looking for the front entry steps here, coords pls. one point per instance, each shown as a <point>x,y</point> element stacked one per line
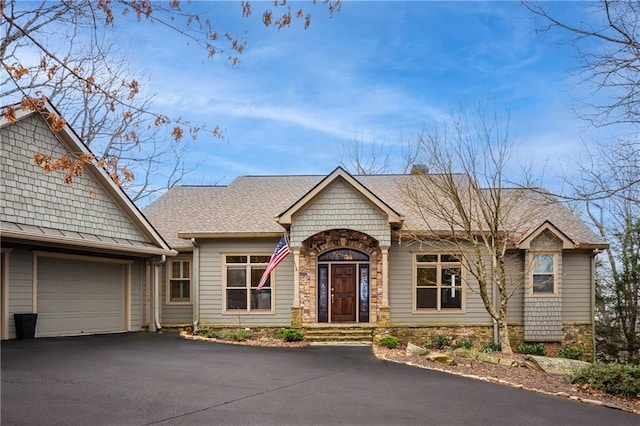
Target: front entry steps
<point>339,336</point>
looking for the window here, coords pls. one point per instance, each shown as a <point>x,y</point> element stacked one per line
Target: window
<point>544,274</point>
<point>438,282</point>
<point>179,281</point>
<point>243,274</point>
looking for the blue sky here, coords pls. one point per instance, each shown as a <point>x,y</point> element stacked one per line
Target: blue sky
<point>376,71</point>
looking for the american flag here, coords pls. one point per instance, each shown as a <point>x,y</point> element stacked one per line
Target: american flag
<point>279,254</point>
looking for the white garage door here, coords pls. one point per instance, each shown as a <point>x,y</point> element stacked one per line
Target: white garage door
<point>79,297</point>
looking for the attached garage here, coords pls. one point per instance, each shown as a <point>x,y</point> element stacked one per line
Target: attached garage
<point>80,295</point>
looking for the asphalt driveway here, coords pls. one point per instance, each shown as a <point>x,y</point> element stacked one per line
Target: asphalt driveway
<point>144,378</point>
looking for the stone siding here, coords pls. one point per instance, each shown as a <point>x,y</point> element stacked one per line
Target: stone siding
<point>340,207</point>
<point>31,197</point>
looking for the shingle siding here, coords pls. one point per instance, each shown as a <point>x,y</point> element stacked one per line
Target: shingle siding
<point>31,197</point>
<point>340,207</point>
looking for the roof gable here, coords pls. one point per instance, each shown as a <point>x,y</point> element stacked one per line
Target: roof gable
<point>40,207</point>
<point>339,174</point>
<point>566,242</point>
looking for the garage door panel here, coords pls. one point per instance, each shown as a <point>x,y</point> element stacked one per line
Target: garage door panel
<point>79,297</point>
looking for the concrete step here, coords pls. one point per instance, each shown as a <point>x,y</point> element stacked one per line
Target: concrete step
<point>339,336</point>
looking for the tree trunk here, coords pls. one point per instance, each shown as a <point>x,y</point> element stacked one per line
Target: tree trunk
<point>503,336</point>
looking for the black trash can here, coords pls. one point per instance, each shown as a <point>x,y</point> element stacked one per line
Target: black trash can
<point>25,325</point>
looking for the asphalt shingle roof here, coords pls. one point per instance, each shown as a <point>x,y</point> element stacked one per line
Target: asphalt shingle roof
<point>250,204</point>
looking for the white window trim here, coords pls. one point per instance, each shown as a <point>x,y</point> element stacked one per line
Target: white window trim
<point>414,286</point>
<point>169,278</point>
<point>247,311</point>
<point>556,257</point>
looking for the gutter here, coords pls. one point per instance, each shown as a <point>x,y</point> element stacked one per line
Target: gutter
<point>196,284</point>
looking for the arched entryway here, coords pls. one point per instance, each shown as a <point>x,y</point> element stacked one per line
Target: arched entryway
<point>343,286</point>
<point>340,278</point>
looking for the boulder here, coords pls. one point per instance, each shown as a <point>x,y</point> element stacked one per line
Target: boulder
<point>488,358</point>
<point>466,353</point>
<point>554,365</point>
<point>441,358</point>
<point>415,350</point>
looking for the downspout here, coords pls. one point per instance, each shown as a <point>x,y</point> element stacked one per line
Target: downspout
<point>155,293</point>
<point>196,284</point>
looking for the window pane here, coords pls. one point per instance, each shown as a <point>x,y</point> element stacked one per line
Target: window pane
<point>236,276</point>
<point>256,274</point>
<point>175,269</point>
<point>427,258</point>
<point>261,299</point>
<point>363,313</point>
<point>449,258</point>
<point>186,289</point>
<point>543,283</point>
<point>323,290</point>
<point>342,255</point>
<point>543,264</point>
<point>236,259</point>
<point>185,269</point>
<point>451,298</point>
<point>450,276</point>
<point>260,259</point>
<point>175,290</point>
<point>426,298</point>
<point>427,276</point>
<point>237,299</point>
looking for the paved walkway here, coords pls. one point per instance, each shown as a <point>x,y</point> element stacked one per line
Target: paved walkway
<point>144,378</point>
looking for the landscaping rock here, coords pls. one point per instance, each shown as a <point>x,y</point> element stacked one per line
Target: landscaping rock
<point>415,350</point>
<point>466,353</point>
<point>555,365</point>
<point>441,358</point>
<point>488,358</point>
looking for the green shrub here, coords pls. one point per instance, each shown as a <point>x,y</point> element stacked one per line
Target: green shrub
<point>571,352</point>
<point>440,341</point>
<point>535,349</point>
<point>616,379</point>
<point>292,335</point>
<point>240,335</point>
<point>465,344</point>
<point>492,347</point>
<point>390,342</point>
<point>210,333</point>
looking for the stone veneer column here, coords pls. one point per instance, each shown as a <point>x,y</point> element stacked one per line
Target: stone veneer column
<point>385,275</point>
<point>296,277</point>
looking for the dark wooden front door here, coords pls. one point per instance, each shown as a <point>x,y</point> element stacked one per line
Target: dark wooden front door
<point>343,293</point>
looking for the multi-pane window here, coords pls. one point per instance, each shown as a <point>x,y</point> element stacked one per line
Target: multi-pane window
<point>179,280</point>
<point>544,274</point>
<point>243,274</point>
<point>438,282</point>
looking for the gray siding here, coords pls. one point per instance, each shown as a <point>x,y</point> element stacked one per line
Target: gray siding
<point>401,293</point>
<point>576,287</point>
<point>174,313</point>
<point>20,285</point>
<point>516,279</point>
<point>31,197</point>
<point>211,297</point>
<point>340,207</point>
<point>138,285</point>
